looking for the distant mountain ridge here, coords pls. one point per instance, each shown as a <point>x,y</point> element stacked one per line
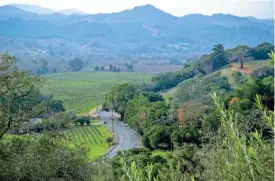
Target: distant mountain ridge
<point>42,10</point>
<point>141,32</point>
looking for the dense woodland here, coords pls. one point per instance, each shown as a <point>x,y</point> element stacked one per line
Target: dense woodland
<point>209,129</point>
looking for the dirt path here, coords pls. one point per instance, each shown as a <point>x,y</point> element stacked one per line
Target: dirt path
<point>245,70</point>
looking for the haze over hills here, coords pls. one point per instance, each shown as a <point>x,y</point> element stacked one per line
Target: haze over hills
<point>139,33</point>
<point>42,10</point>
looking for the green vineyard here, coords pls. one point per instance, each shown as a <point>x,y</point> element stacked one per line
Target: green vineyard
<point>83,91</point>
<point>91,137</point>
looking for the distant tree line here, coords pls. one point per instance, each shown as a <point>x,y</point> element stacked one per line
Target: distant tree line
<point>110,68</point>
<point>113,68</point>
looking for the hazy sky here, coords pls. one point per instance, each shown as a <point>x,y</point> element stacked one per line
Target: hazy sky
<point>256,8</point>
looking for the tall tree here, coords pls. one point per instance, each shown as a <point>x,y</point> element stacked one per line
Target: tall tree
<point>15,88</point>
<point>44,67</point>
<point>219,58</point>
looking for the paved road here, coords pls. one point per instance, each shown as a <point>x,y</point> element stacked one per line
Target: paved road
<point>127,138</point>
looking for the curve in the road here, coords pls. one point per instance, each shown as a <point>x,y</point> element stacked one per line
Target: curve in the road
<point>126,138</point>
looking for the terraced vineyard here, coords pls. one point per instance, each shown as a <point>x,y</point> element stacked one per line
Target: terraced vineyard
<point>91,137</point>
<point>83,91</point>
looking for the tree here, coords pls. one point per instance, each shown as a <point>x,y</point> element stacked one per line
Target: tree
<point>240,54</point>
<point>76,64</point>
<point>111,68</point>
<point>271,57</point>
<point>153,96</point>
<point>44,67</point>
<point>88,122</point>
<point>219,48</point>
<point>118,96</point>
<point>44,157</point>
<point>102,68</point>
<point>15,88</point>
<point>261,51</point>
<point>96,68</point>
<point>109,140</point>
<point>218,58</point>
<point>186,65</point>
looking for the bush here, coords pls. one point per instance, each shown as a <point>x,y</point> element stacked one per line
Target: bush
<point>109,140</point>
<point>42,157</point>
<point>263,72</point>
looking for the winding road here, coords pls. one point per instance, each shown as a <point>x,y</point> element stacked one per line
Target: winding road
<point>126,138</point>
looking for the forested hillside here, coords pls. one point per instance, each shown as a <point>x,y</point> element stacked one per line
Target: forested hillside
<point>144,32</point>
<point>208,130</point>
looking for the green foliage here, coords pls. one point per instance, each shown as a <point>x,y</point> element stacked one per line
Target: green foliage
<point>263,72</point>
<point>236,156</point>
<point>15,90</point>
<point>109,140</point>
<point>152,96</point>
<point>83,120</point>
<point>41,158</point>
<point>118,97</point>
<point>248,91</point>
<point>76,64</point>
<point>159,137</point>
<point>135,111</point>
<point>261,51</point>
<point>44,67</point>
<point>62,120</point>
<point>167,80</point>
<point>129,67</point>
<point>199,88</point>
<point>271,56</point>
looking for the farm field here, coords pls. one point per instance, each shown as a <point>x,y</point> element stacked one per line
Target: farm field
<point>91,137</point>
<point>83,91</point>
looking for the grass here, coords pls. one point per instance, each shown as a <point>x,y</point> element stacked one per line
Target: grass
<point>83,91</point>
<point>162,153</point>
<point>91,137</point>
<point>95,121</point>
<point>168,94</point>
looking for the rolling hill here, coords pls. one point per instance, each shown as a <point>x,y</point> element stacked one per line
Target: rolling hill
<point>143,32</point>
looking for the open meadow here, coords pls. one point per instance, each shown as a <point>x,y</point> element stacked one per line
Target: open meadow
<point>83,91</point>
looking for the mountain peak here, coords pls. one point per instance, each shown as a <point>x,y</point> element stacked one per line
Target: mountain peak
<point>33,8</point>
<point>146,6</point>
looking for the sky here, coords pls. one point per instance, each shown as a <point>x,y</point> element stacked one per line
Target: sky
<point>262,9</point>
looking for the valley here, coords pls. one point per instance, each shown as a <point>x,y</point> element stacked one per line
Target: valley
<point>137,94</point>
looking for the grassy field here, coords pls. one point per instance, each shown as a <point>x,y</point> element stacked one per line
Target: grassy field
<point>91,137</point>
<point>82,91</point>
